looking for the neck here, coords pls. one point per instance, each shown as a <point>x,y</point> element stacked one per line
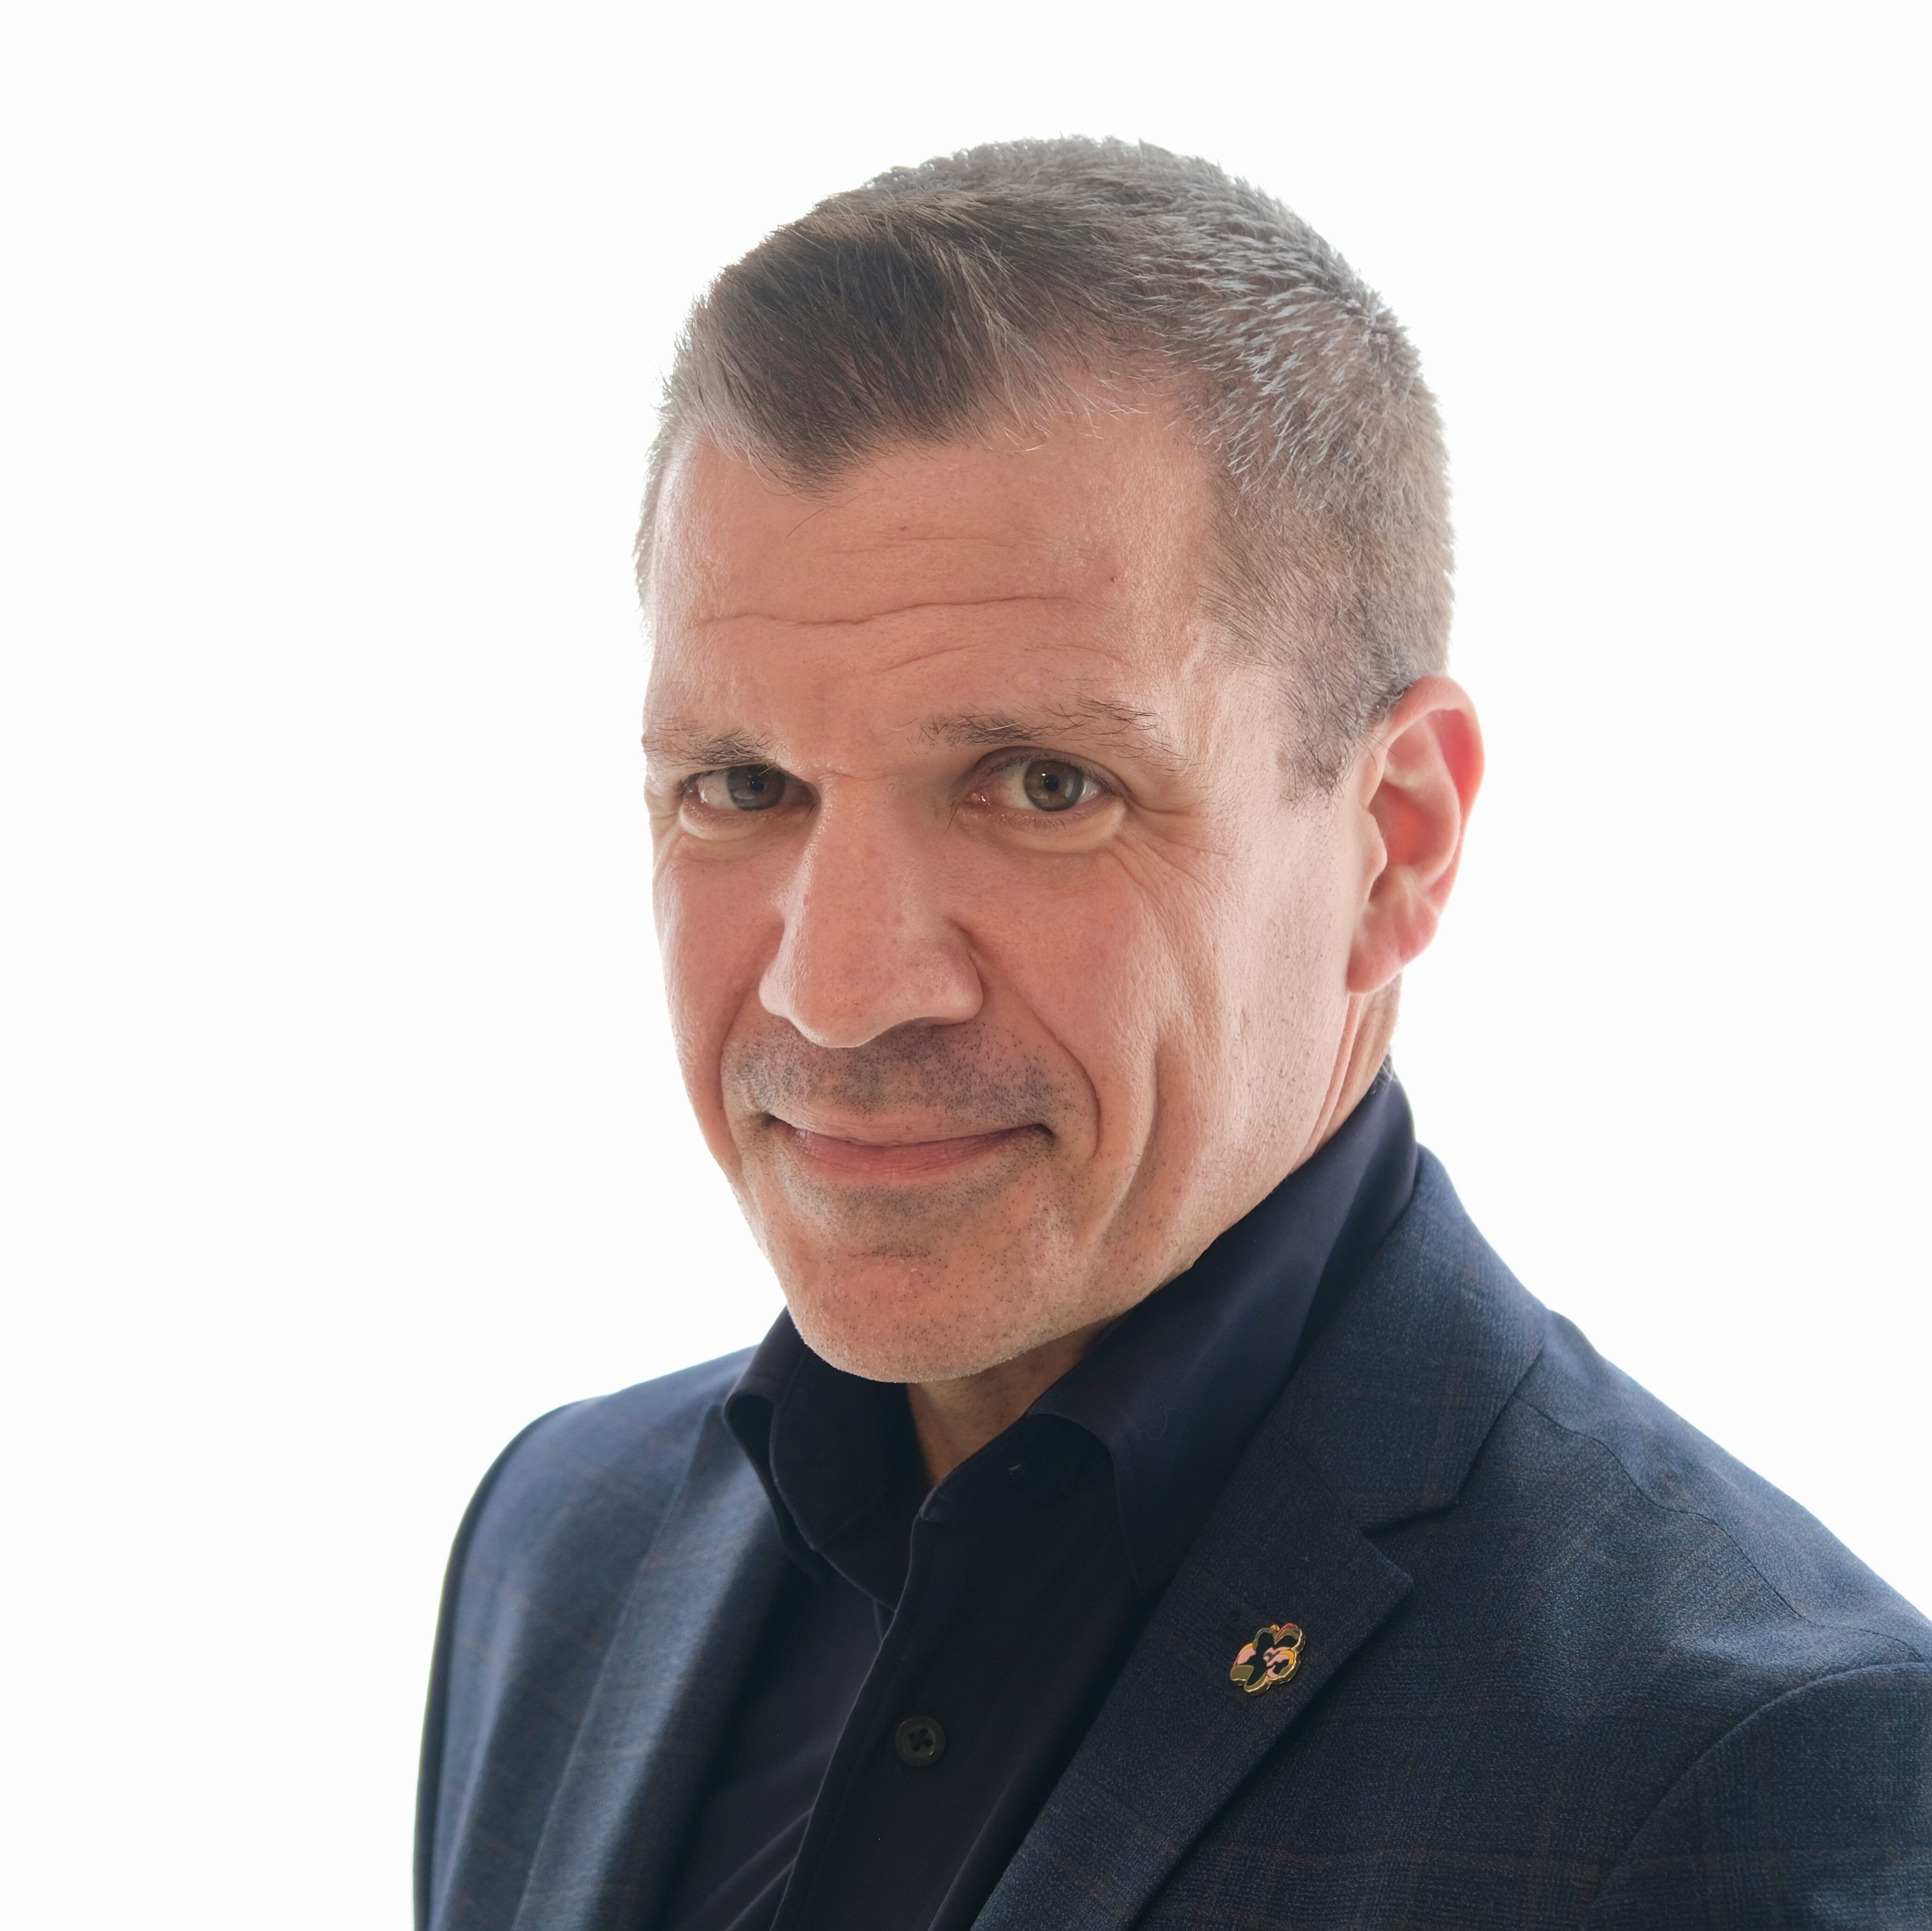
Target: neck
<point>956,1419</point>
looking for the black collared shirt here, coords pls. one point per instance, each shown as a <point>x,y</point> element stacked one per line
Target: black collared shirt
<point>934,1658</point>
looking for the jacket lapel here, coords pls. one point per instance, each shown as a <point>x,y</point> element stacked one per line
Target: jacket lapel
<point>1381,1423</point>
<point>1177,1737</point>
<point>657,1717</point>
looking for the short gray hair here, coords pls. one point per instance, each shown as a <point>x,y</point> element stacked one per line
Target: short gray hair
<point>937,300</point>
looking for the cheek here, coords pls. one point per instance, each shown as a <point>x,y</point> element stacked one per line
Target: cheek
<point>712,939</point>
<point>1088,953</point>
<point>1293,986</point>
<point>1195,992</point>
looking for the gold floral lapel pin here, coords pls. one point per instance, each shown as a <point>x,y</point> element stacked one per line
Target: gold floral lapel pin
<point>1272,1657</point>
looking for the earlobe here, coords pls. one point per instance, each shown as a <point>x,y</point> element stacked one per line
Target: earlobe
<point>1421,775</point>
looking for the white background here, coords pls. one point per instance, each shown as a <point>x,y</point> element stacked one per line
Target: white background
<point>342,1135</point>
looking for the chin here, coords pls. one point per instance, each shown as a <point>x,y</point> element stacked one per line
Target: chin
<point>925,1284</point>
<point>893,1319</point>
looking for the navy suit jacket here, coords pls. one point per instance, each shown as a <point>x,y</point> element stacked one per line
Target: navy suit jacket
<point>1566,1663</point>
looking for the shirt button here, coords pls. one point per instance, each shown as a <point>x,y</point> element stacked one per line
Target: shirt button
<point>920,1741</point>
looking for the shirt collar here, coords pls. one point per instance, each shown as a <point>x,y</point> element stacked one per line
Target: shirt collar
<point>1172,1391</point>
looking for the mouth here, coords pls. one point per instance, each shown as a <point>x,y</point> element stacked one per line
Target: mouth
<point>881,1157</point>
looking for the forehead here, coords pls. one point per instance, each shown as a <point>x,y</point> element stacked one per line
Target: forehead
<point>1068,567</point>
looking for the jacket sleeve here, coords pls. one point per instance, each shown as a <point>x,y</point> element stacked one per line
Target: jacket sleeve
<point>1816,1811</point>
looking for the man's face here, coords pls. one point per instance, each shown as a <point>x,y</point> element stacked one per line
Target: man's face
<point>1006,959</point>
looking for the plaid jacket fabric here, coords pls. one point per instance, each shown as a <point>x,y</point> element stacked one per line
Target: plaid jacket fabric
<point>1566,1663</point>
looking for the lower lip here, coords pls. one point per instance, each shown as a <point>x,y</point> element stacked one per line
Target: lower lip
<point>919,1160</point>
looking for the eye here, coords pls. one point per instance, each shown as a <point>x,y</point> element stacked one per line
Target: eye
<point>743,787</point>
<point>1030,786</point>
<point>1050,786</point>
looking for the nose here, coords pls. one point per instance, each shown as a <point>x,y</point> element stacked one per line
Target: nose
<point>868,945</point>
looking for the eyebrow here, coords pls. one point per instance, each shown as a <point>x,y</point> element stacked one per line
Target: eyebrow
<point>1108,725</point>
<point>679,744</point>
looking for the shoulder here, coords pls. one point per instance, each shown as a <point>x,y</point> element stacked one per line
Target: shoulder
<point>539,1574</point>
<point>1496,1405</point>
<point>603,1466</point>
<point>1816,1808</point>
<point>1777,1693</point>
<point>571,1505</point>
<point>1646,1671</point>
<point>1663,1494</point>
<point>1657,1566</point>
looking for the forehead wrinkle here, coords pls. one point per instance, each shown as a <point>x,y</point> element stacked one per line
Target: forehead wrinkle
<point>869,542</point>
<point>873,616</point>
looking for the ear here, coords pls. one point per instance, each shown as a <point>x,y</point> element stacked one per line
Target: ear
<point>1414,787</point>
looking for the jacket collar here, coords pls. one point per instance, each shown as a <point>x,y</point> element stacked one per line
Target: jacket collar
<point>1392,1407</point>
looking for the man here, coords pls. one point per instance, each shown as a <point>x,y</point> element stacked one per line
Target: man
<point>1158,1506</point>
